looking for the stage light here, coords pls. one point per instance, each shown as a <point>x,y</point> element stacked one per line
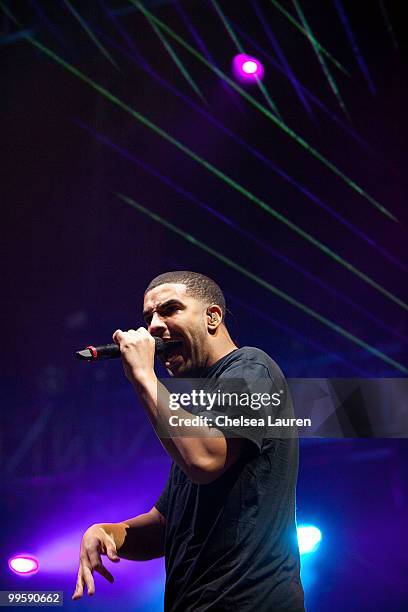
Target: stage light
<point>250,67</point>
<point>246,68</point>
<point>23,564</point>
<point>309,538</point>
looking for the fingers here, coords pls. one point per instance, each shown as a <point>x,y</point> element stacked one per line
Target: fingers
<point>93,550</point>
<point>84,578</point>
<point>116,336</point>
<point>110,548</point>
<point>119,334</point>
<point>101,569</point>
<point>79,587</point>
<point>112,555</point>
<point>89,581</point>
<point>90,561</point>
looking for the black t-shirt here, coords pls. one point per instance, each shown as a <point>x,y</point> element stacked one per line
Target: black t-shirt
<point>231,544</point>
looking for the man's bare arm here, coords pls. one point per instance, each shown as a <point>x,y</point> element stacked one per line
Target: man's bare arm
<point>204,457</point>
<point>140,538</point>
<point>144,538</point>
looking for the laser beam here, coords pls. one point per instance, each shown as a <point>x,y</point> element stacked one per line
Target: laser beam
<point>320,57</point>
<point>301,29</point>
<point>238,45</point>
<point>176,59</point>
<point>263,283</point>
<point>228,180</point>
<point>283,126</point>
<point>91,35</point>
<point>284,63</point>
<point>135,56</point>
<point>354,45</point>
<point>237,228</point>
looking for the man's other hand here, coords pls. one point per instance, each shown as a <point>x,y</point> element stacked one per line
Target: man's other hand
<point>95,543</point>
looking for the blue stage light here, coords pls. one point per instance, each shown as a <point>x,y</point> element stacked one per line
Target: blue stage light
<point>309,538</point>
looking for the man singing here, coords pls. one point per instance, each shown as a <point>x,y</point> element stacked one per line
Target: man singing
<point>225,521</point>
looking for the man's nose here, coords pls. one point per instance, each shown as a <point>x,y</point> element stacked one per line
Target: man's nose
<point>157,326</point>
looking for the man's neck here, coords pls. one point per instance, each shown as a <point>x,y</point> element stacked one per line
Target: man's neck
<point>220,348</point>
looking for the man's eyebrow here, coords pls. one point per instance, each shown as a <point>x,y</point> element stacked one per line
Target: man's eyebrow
<point>170,302</point>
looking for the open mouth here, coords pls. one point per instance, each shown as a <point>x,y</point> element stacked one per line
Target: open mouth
<point>172,349</point>
<point>173,356</point>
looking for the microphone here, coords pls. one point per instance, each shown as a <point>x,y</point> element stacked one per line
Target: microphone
<point>112,351</point>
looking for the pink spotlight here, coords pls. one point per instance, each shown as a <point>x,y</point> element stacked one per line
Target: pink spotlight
<point>247,69</point>
<point>23,564</point>
<point>250,67</point>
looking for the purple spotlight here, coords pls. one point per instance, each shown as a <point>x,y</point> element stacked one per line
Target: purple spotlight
<point>247,68</point>
<point>250,67</point>
<point>23,564</point>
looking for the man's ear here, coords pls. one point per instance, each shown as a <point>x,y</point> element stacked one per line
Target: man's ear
<point>214,317</point>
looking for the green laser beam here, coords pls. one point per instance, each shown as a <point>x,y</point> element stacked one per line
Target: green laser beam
<point>250,99</point>
<point>228,180</point>
<point>297,25</point>
<point>90,33</point>
<point>176,59</point>
<point>388,24</point>
<point>155,128</point>
<point>320,57</point>
<point>283,126</point>
<point>238,45</point>
<point>227,25</point>
<point>263,283</point>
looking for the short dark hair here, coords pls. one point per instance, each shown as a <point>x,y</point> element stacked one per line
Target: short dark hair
<point>197,285</point>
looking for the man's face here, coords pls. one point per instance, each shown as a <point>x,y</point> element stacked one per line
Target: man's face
<point>171,314</point>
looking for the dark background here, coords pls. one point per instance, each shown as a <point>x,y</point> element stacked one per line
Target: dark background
<point>75,446</point>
